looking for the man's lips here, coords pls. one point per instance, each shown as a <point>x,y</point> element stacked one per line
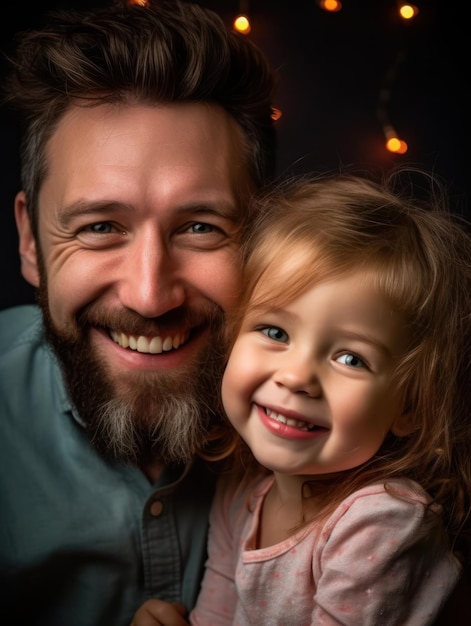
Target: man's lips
<point>150,345</point>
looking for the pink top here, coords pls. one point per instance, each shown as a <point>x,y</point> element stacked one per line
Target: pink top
<point>378,560</point>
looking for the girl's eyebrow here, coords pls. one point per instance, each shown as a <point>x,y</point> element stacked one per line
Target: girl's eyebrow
<point>261,309</point>
<point>369,339</point>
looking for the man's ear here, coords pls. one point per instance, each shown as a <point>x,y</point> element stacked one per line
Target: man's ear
<point>404,425</point>
<point>27,244</point>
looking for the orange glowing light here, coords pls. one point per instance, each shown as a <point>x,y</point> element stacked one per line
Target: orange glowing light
<point>330,5</point>
<point>408,11</point>
<point>396,145</point>
<point>242,24</point>
<point>276,114</point>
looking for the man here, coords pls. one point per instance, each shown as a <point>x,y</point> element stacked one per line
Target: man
<point>146,130</point>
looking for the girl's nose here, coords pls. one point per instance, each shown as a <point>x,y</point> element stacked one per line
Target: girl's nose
<point>299,377</point>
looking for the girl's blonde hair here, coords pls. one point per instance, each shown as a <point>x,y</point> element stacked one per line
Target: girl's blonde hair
<point>309,229</point>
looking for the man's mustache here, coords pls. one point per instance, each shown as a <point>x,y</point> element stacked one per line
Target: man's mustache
<point>132,323</point>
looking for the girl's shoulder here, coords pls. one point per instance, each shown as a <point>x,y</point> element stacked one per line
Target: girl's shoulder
<point>398,508</point>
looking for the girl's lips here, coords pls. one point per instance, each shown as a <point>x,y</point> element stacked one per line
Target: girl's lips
<point>288,428</point>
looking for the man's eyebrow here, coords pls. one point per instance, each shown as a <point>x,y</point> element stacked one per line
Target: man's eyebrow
<point>82,208</point>
<point>222,209</point>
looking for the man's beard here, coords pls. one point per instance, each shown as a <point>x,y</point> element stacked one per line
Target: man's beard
<point>162,415</point>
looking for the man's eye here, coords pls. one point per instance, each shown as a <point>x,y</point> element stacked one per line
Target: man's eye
<point>202,228</point>
<point>275,333</point>
<point>99,228</point>
<point>352,360</point>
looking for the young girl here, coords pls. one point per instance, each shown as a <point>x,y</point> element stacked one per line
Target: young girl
<point>350,381</point>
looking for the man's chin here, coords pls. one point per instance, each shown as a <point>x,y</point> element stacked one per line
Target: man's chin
<point>143,416</point>
<point>169,429</point>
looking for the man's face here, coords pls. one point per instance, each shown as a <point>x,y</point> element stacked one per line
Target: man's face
<point>138,221</point>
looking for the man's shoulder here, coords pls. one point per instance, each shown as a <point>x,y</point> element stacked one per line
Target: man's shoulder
<point>19,326</point>
<point>29,372</point>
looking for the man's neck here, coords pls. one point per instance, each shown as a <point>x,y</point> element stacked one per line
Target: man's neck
<point>152,470</point>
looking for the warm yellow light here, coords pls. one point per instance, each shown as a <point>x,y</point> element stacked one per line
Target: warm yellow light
<point>408,11</point>
<point>142,3</point>
<point>330,5</point>
<point>394,144</point>
<point>242,24</point>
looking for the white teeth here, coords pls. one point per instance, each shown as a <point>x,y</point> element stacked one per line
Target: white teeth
<point>142,344</point>
<point>156,345</point>
<point>167,344</point>
<point>288,421</point>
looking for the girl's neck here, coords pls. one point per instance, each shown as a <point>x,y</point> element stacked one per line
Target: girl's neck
<point>286,508</point>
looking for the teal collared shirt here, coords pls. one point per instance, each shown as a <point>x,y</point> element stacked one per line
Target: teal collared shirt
<point>81,543</point>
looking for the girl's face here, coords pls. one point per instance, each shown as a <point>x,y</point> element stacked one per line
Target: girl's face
<point>309,385</point>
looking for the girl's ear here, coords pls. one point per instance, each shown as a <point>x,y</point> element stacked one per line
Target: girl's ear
<point>27,243</point>
<point>403,425</point>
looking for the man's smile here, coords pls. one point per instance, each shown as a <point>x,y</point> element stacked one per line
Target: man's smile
<point>150,345</point>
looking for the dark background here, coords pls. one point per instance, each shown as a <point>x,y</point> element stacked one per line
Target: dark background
<point>333,68</point>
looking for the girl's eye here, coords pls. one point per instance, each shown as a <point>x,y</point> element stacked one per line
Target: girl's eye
<point>275,333</point>
<point>352,360</point>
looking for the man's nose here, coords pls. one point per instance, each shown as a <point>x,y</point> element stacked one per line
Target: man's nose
<point>150,283</point>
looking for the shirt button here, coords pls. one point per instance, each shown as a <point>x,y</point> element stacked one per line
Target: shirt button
<point>156,508</point>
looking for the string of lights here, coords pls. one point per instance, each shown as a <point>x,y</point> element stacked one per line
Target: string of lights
<point>393,142</point>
